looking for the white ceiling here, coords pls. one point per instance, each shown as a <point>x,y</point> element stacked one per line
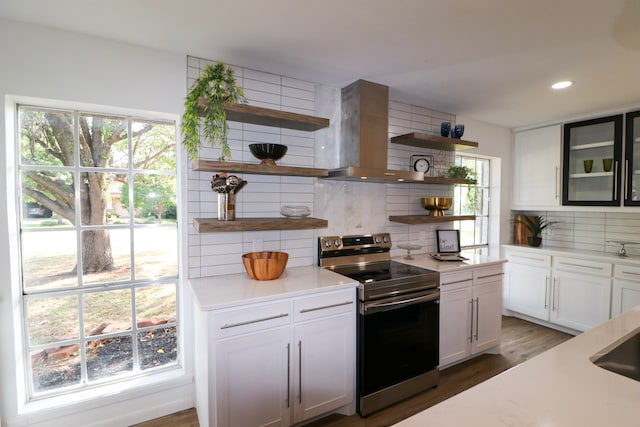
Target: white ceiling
<point>490,60</point>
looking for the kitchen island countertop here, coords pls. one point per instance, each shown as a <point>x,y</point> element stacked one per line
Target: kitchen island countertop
<point>217,292</point>
<point>560,387</point>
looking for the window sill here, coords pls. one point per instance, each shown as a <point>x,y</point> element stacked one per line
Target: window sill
<point>104,395</point>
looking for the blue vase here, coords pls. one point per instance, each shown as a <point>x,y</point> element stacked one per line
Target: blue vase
<point>445,128</point>
<point>457,131</point>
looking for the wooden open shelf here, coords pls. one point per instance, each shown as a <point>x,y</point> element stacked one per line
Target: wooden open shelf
<point>268,117</point>
<point>427,219</point>
<point>256,168</point>
<point>423,140</point>
<point>212,225</point>
<point>441,180</point>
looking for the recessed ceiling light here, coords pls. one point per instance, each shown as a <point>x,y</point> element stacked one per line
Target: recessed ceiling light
<point>561,85</point>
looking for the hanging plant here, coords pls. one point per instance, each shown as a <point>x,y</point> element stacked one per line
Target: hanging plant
<point>216,85</point>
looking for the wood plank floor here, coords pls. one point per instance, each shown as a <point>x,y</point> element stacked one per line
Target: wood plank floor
<point>521,341</point>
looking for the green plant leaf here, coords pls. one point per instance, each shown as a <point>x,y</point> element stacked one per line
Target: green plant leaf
<point>216,85</point>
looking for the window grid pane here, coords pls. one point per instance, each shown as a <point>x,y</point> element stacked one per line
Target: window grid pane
<point>77,246</point>
<point>473,199</point>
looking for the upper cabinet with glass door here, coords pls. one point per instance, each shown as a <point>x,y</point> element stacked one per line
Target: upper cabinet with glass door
<point>592,160</point>
<point>632,160</point>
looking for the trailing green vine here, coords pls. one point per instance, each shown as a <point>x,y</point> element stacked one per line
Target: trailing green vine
<point>216,85</point>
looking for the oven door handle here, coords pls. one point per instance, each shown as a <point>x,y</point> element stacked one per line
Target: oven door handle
<point>376,307</point>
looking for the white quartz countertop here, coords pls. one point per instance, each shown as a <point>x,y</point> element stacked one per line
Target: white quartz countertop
<point>473,260</point>
<point>231,290</point>
<point>579,253</point>
<point>560,387</point>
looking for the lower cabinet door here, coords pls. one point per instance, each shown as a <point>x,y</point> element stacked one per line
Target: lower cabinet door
<point>253,385</point>
<point>323,366</point>
<point>528,290</point>
<point>455,325</point>
<point>580,301</point>
<point>487,316</point>
<point>626,295</point>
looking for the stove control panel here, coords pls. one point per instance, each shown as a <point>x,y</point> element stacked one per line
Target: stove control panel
<point>354,242</point>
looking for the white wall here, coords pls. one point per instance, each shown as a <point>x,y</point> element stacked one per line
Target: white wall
<point>47,64</point>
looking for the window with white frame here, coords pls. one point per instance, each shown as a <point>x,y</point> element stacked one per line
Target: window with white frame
<point>473,199</point>
<point>98,243</point>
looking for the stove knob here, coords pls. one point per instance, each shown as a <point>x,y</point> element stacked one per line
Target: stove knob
<point>327,243</point>
<point>385,238</point>
<point>336,242</point>
<point>378,239</point>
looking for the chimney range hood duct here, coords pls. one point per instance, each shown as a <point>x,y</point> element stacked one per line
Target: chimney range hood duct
<point>364,136</point>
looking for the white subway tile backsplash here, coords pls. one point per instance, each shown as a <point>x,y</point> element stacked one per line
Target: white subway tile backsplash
<point>249,74</point>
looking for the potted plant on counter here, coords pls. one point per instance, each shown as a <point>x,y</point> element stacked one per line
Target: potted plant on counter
<point>535,225</point>
<point>216,86</point>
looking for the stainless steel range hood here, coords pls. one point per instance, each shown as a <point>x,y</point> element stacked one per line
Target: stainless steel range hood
<point>364,136</point>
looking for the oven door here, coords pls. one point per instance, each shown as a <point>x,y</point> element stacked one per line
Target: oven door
<point>397,340</point>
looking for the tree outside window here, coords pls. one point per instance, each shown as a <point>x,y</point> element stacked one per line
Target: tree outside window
<point>100,265</point>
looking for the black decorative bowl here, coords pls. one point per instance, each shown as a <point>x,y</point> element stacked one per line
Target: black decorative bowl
<point>268,153</point>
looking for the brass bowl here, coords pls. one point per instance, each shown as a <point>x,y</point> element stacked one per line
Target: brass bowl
<point>265,265</point>
<point>435,205</point>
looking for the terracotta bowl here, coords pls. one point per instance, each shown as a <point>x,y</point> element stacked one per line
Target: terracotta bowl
<point>265,265</point>
<point>268,153</point>
<point>435,205</point>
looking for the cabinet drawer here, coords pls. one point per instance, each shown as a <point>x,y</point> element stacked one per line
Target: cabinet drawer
<point>582,266</point>
<point>325,304</point>
<point>628,272</point>
<point>250,318</point>
<point>487,274</point>
<point>456,280</point>
<point>534,259</point>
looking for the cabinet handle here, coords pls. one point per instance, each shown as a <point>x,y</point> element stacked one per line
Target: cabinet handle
<point>300,372</point>
<point>530,257</point>
<point>630,273</point>
<point>306,310</point>
<point>615,182</point>
<point>580,265</point>
<point>553,295</point>
<point>456,281</point>
<point>477,315</point>
<point>249,322</point>
<point>556,188</point>
<point>490,275</point>
<point>626,179</point>
<point>288,374</point>
<point>546,291</point>
<point>471,323</point>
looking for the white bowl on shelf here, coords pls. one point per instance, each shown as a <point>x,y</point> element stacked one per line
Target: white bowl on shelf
<point>291,211</point>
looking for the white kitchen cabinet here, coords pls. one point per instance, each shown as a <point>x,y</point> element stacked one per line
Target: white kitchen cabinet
<point>536,168</point>
<point>626,289</point>
<point>581,293</point>
<point>283,362</point>
<point>324,342</point>
<point>470,312</point>
<point>455,316</point>
<point>486,308</point>
<point>252,373</point>
<point>528,284</point>
<point>565,291</point>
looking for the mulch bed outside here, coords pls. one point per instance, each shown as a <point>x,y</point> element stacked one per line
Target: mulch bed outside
<point>107,357</point>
